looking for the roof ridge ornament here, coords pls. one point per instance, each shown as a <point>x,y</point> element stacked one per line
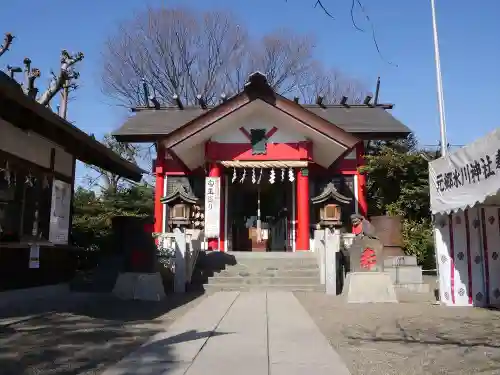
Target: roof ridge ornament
<point>257,78</point>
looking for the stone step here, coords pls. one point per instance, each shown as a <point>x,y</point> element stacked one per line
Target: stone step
<point>405,274</point>
<point>298,255</point>
<point>415,288</point>
<point>238,280</point>
<point>395,261</point>
<point>231,272</point>
<point>274,266</point>
<point>211,288</point>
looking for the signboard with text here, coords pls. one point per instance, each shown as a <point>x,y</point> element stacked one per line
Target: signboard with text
<point>60,212</point>
<point>212,207</point>
<point>467,176</point>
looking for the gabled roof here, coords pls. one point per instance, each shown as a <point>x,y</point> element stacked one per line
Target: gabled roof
<point>25,113</point>
<point>364,121</point>
<point>258,89</point>
<point>330,191</point>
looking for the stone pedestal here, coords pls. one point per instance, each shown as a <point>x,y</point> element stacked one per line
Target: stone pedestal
<point>405,273</point>
<point>139,286</point>
<point>369,287</point>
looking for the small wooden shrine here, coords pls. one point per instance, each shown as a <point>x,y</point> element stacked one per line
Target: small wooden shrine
<point>330,203</point>
<point>184,210</point>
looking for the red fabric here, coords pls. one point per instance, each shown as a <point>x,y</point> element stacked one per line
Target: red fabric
<point>357,229</point>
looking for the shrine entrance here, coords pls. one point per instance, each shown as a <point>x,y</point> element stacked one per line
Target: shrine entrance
<point>259,213</point>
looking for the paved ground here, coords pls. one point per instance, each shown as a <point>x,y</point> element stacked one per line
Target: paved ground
<point>408,338</point>
<point>82,334</point>
<point>85,335</point>
<point>255,333</point>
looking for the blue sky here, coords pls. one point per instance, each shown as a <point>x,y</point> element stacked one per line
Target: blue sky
<point>470,52</point>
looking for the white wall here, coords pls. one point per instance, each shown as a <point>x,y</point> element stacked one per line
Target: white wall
<point>235,135</point>
<point>33,148</point>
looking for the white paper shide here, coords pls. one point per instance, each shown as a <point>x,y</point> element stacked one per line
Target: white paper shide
<point>60,212</point>
<point>212,207</point>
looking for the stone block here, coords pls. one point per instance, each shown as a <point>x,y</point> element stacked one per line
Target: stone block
<point>414,288</point>
<point>406,260</point>
<point>405,274</point>
<point>366,255</point>
<point>369,287</point>
<point>139,286</point>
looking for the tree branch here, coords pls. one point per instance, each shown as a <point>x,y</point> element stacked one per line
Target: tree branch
<point>30,75</point>
<point>7,42</point>
<point>66,73</point>
<point>319,3</point>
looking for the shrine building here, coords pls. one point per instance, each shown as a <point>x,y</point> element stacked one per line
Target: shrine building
<point>259,172</point>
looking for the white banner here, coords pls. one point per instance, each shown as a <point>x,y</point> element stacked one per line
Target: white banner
<point>467,176</point>
<point>60,212</point>
<point>212,207</point>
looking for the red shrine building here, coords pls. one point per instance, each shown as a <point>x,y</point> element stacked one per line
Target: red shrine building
<point>259,172</point>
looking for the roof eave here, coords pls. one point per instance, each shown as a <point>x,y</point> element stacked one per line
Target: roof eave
<point>25,113</point>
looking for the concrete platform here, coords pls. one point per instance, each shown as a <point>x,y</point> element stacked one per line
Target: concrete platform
<point>257,333</point>
<point>369,287</point>
<point>139,286</point>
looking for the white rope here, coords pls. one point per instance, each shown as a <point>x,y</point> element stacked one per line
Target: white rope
<point>265,164</point>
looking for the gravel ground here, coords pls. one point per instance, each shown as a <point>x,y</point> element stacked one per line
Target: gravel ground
<point>408,338</point>
<point>81,335</point>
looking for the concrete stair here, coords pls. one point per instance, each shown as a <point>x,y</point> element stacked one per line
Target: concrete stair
<point>267,271</point>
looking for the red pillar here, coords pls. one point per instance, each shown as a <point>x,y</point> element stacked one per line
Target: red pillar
<point>360,161</point>
<point>213,243</point>
<point>159,193</point>
<point>302,210</point>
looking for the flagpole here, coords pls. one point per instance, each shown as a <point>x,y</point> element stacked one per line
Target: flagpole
<point>439,81</point>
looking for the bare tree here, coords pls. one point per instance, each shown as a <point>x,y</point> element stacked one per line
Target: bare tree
<point>65,77</point>
<point>7,42</point>
<point>107,181</point>
<point>187,53</point>
<point>355,6</point>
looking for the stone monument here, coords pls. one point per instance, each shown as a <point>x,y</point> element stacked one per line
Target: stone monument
<point>140,278</point>
<point>366,281</point>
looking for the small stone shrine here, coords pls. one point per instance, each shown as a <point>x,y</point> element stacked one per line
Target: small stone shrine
<point>330,203</point>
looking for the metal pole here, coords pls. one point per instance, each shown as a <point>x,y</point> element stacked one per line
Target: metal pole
<point>259,225</point>
<point>439,81</point>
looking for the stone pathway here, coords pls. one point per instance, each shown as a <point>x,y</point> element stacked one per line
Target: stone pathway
<point>237,333</point>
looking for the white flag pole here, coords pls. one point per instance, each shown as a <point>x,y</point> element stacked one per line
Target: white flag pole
<point>439,81</point>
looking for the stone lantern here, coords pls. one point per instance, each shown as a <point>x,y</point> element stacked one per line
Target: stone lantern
<point>330,203</point>
<point>180,201</point>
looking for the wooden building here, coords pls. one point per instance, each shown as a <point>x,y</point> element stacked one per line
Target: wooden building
<point>38,153</point>
<point>260,171</point>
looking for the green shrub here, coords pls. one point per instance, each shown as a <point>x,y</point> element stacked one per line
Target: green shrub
<point>418,240</point>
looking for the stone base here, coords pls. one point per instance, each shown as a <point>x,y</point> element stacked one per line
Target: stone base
<point>369,287</point>
<point>139,286</point>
